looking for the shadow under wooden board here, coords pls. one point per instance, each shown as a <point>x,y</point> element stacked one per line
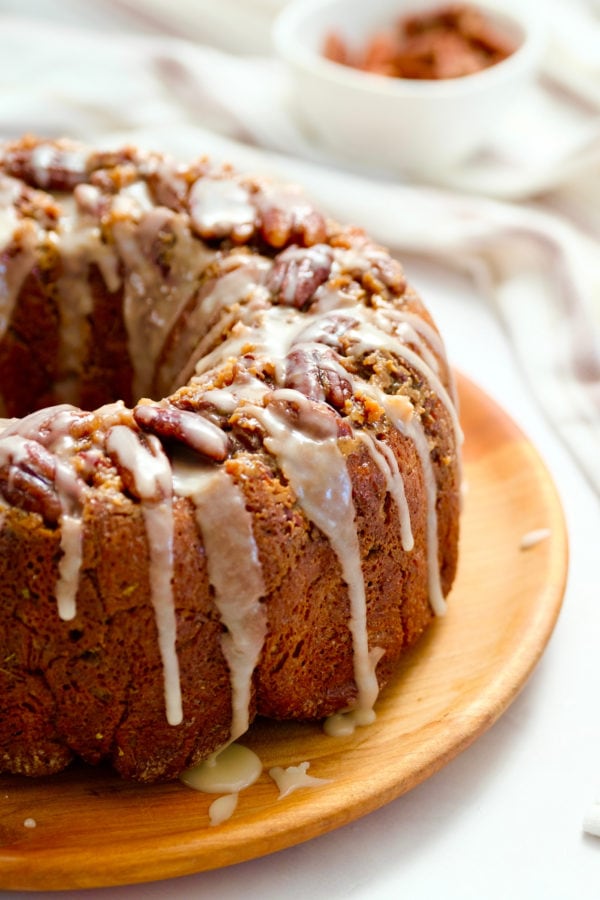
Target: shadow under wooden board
<point>92,829</point>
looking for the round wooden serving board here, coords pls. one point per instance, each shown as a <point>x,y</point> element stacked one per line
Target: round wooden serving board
<point>94,830</point>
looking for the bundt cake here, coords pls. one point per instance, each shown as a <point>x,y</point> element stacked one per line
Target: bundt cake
<point>229,461</point>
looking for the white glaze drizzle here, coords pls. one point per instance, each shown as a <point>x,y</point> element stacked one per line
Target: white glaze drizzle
<point>152,475</point>
<point>14,450</point>
<point>421,332</point>
<point>241,282</point>
<point>153,303</point>
<point>235,573</point>
<point>402,415</point>
<point>227,772</point>
<point>410,425</point>
<point>197,432</point>
<point>217,205</point>
<point>317,472</point>
<point>222,809</point>
<point>10,191</point>
<point>52,429</point>
<point>49,155</point>
<point>79,241</point>
<point>69,566</point>
<point>370,337</point>
<point>385,460</point>
<point>14,272</point>
<point>291,778</point>
<point>342,724</point>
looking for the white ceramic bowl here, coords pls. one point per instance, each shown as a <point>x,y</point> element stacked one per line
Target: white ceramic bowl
<point>396,123</point>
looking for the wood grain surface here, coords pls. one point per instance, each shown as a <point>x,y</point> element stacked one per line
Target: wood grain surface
<point>92,829</point>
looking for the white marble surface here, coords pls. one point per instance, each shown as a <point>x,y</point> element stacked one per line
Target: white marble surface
<point>504,819</point>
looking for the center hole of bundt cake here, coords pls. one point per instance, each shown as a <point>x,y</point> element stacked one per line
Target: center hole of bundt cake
<point>85,362</point>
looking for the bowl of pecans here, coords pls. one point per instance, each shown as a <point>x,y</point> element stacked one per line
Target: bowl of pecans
<point>409,86</point>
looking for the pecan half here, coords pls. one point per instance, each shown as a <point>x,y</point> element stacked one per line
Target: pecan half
<point>246,432</point>
<point>91,201</point>
<point>298,272</point>
<point>287,217</point>
<point>113,180</point>
<point>313,418</point>
<point>389,271</point>
<point>316,373</point>
<point>141,463</point>
<point>38,205</point>
<point>47,426</point>
<point>51,165</point>
<point>372,267</point>
<point>186,427</point>
<point>167,187</point>
<point>221,208</point>
<point>328,330</point>
<point>27,478</point>
<point>109,159</point>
